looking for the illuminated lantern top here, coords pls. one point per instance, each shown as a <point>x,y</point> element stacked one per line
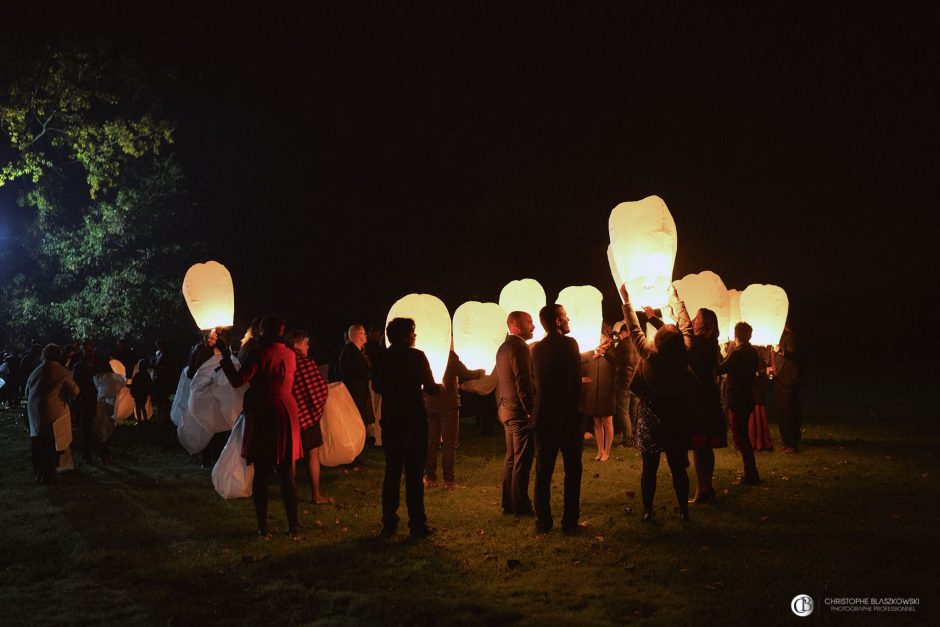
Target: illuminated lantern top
<point>644,243</point>
<point>734,311</point>
<point>432,326</point>
<point>479,329</point>
<point>585,312</point>
<point>705,290</point>
<point>765,308</point>
<point>209,294</point>
<point>524,295</point>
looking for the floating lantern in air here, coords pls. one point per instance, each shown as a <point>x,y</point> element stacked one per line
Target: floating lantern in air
<point>585,312</point>
<point>432,326</point>
<point>643,241</point>
<point>765,308</point>
<point>479,329</point>
<point>209,294</point>
<point>523,295</point>
<point>705,290</point>
<point>734,311</point>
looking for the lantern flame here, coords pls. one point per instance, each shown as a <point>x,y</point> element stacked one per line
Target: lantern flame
<point>209,294</point>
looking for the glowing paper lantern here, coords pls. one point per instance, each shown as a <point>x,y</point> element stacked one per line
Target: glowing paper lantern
<point>585,312</point>
<point>613,267</point>
<point>209,294</point>
<point>479,329</point>
<point>734,311</point>
<point>643,240</point>
<point>765,308</point>
<point>524,295</point>
<point>705,290</point>
<point>432,326</point>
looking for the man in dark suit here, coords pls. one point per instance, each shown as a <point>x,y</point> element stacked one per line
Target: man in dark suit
<point>556,362</point>
<point>786,368</point>
<point>355,371</point>
<point>515,402</point>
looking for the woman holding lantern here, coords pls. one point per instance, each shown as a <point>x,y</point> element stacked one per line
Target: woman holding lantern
<point>272,433</point>
<point>709,430</point>
<point>666,387</point>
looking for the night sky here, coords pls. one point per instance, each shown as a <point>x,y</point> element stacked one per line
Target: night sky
<point>343,157</point>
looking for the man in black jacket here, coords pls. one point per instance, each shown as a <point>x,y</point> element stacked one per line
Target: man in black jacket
<point>556,362</point>
<point>515,402</point>
<point>741,366</point>
<point>786,368</point>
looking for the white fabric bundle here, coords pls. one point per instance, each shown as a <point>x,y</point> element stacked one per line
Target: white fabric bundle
<point>180,400</point>
<point>231,476</point>
<point>344,434</point>
<point>213,401</point>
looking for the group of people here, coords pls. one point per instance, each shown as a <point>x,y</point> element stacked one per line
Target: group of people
<point>667,395</point>
<point>666,389</point>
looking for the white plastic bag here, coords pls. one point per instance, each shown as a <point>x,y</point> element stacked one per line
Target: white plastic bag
<point>180,400</point>
<point>212,399</point>
<point>191,434</point>
<point>231,476</point>
<point>344,434</point>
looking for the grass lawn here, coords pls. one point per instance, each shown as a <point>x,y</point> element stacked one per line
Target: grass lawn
<point>147,541</point>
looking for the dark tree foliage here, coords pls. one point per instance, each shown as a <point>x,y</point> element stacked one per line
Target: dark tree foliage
<point>104,214</point>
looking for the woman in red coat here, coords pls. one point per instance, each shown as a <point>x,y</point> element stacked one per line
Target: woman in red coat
<point>272,434</point>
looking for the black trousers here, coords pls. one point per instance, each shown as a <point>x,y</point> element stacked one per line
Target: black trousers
<point>791,417</point>
<point>517,465</point>
<point>259,491</point>
<point>44,456</point>
<point>406,449</point>
<point>549,440</point>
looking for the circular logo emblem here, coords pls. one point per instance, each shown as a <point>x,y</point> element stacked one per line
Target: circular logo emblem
<point>802,605</point>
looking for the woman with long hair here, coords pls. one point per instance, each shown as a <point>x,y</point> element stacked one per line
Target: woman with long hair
<point>708,428</point>
<point>665,386</point>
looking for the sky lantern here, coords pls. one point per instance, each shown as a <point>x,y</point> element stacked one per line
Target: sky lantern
<point>583,304</point>
<point>526,295</point>
<point>644,243</point>
<point>210,295</point>
<point>765,308</point>
<point>704,290</point>
<point>432,326</point>
<point>734,311</point>
<point>613,266</point>
<point>479,329</point>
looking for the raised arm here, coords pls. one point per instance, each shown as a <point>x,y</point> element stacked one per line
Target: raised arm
<point>244,374</point>
<point>643,346</point>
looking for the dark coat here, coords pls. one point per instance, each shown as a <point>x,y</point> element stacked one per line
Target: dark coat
<point>741,366</point>
<point>355,372</point>
<point>556,366</point>
<point>515,396</point>
<point>786,360</point>
<point>402,377</point>
<point>598,396</point>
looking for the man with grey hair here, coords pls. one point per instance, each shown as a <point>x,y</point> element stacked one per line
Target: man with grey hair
<point>355,372</point>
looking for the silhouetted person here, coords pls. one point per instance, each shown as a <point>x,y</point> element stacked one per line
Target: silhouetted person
<point>515,402</point>
<point>741,365</point>
<point>86,367</point>
<point>272,434</point>
<point>787,379</point>
<point>665,385</point>
<point>556,365</point>
<point>402,377</point>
